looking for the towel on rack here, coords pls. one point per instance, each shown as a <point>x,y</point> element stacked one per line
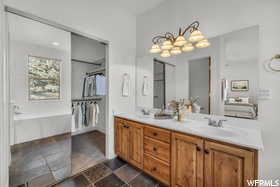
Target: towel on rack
<point>100,85</point>
<point>125,85</point>
<point>145,89</point>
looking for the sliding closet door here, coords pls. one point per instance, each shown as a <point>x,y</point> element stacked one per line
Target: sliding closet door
<point>40,83</point>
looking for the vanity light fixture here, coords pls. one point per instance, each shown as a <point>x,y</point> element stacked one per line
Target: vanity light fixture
<point>167,44</point>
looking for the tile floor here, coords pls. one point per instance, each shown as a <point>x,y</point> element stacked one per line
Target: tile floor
<point>87,150</point>
<point>112,173</point>
<point>44,162</point>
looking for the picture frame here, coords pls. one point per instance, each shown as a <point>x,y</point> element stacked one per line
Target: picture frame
<point>43,78</point>
<point>239,85</point>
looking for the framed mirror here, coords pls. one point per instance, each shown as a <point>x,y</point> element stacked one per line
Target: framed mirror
<point>222,79</point>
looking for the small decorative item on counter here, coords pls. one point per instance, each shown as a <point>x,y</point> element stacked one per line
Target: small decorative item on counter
<point>162,115</point>
<point>178,108</point>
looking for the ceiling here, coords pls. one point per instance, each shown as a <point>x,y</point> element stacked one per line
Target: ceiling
<point>137,7</point>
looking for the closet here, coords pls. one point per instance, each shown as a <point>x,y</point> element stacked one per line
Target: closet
<point>88,93</point>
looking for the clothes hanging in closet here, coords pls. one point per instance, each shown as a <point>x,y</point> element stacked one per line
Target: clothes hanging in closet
<point>94,85</point>
<point>85,114</point>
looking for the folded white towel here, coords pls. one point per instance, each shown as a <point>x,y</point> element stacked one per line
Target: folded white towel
<point>126,85</point>
<point>145,89</point>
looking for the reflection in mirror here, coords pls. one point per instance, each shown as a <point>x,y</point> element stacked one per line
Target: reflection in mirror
<point>40,128</point>
<point>221,79</point>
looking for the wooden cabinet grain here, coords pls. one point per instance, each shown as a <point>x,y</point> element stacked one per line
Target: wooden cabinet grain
<point>129,141</point>
<point>227,165</point>
<point>183,160</point>
<point>187,161</point>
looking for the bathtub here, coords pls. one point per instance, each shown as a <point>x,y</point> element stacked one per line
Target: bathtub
<point>28,127</point>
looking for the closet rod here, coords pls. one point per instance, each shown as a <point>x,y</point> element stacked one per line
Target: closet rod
<point>86,62</point>
<point>86,99</point>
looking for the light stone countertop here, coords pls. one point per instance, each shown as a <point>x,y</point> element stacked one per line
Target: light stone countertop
<point>242,132</point>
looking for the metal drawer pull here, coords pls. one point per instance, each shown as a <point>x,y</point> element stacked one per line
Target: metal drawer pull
<point>154,149</point>
<point>155,134</point>
<point>206,151</point>
<point>198,148</point>
<point>154,169</point>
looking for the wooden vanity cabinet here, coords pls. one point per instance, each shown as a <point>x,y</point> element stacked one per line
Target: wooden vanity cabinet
<point>183,160</point>
<point>129,141</point>
<point>228,165</point>
<point>187,161</point>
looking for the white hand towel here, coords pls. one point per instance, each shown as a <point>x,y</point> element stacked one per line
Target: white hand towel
<point>145,89</point>
<point>126,85</point>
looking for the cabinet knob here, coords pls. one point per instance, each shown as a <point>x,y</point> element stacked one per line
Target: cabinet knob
<point>206,151</point>
<point>198,148</point>
<point>154,169</point>
<point>154,149</point>
<point>155,134</point>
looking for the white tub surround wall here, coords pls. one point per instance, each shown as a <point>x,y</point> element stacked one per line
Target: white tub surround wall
<point>33,127</point>
<point>218,17</point>
<point>106,20</point>
<point>237,131</point>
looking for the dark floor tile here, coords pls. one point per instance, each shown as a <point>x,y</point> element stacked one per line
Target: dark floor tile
<point>62,173</point>
<point>28,175</point>
<point>42,181</point>
<point>110,181</point>
<point>79,181</point>
<point>115,163</point>
<point>58,160</point>
<point>127,173</point>
<point>97,172</point>
<point>143,180</point>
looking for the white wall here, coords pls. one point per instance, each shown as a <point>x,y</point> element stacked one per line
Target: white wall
<point>4,130</point>
<point>218,17</point>
<point>105,20</point>
<point>19,52</point>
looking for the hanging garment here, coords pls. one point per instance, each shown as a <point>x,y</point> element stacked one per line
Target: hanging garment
<point>79,117</point>
<point>83,109</point>
<point>125,85</point>
<point>92,114</point>
<point>96,112</point>
<point>85,87</point>
<point>87,114</point>
<point>145,89</point>
<point>91,83</point>
<point>100,85</point>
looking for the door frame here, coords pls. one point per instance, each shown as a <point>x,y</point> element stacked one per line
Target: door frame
<point>7,9</point>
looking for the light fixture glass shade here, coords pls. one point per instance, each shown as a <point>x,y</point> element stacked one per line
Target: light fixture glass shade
<point>175,51</point>
<point>196,36</point>
<point>202,44</point>
<point>165,53</point>
<point>180,41</point>
<point>188,47</point>
<point>155,49</point>
<point>167,45</point>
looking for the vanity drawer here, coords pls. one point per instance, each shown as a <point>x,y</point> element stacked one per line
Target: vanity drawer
<point>157,169</point>
<point>157,149</point>
<point>157,133</point>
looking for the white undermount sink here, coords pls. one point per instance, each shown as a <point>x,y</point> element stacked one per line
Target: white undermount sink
<point>221,131</point>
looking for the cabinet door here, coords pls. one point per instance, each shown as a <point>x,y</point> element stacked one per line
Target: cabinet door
<point>136,144</point>
<point>122,139</point>
<point>118,141</point>
<point>187,161</point>
<point>227,166</point>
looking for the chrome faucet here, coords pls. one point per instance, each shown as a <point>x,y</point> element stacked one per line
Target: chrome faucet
<point>215,123</point>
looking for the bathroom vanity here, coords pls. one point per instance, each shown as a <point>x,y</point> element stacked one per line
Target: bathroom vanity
<point>189,153</point>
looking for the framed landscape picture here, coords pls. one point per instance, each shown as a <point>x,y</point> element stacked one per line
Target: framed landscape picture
<point>43,78</point>
<point>239,85</point>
